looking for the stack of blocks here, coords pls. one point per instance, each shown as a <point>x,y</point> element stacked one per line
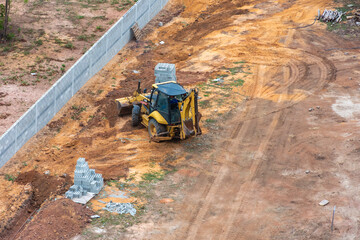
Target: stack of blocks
<point>85,180</point>
<point>165,72</point>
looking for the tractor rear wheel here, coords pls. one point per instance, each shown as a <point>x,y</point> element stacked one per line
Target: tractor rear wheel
<point>135,116</point>
<point>155,128</point>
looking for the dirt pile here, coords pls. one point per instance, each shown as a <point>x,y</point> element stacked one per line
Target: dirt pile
<point>43,186</point>
<point>61,219</point>
<point>37,187</point>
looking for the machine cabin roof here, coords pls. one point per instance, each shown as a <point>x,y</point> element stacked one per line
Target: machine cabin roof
<point>170,88</point>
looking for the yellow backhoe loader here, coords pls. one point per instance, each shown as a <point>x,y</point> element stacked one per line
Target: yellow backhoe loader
<point>169,111</point>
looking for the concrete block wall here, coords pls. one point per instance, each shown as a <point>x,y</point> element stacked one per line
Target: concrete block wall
<point>85,68</point>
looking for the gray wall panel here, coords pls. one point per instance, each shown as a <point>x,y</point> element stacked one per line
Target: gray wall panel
<point>129,20</point>
<point>26,127</point>
<point>81,73</point>
<point>97,56</point>
<point>155,9</point>
<point>63,91</point>
<point>45,108</point>
<point>7,145</point>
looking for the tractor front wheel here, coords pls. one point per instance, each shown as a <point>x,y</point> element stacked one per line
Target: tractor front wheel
<point>155,128</point>
<point>135,116</point>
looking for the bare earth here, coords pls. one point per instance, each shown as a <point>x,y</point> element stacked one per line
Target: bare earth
<point>273,147</point>
<point>49,37</point>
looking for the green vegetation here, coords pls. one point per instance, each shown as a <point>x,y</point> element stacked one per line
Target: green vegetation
<point>153,176</point>
<point>76,111</point>
<point>39,42</point>
<point>99,28</point>
<point>62,68</point>
<point>205,104</point>
<point>10,177</point>
<point>209,120</point>
<point>69,45</point>
<point>121,220</point>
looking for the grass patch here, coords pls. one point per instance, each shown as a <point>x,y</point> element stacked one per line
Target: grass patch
<point>69,45</point>
<point>209,120</point>
<point>76,111</point>
<point>153,176</point>
<point>205,104</point>
<point>9,177</point>
<point>235,70</point>
<point>83,38</point>
<point>237,83</point>
<point>38,42</point>
<point>58,41</point>
<point>99,28</point>
<point>122,220</point>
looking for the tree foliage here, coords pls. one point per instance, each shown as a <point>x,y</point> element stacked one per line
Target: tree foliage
<point>4,18</point>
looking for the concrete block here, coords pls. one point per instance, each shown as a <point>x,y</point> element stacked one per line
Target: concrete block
<point>85,181</point>
<point>165,72</point>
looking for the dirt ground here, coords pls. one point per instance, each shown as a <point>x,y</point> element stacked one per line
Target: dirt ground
<point>61,219</point>
<point>280,126</point>
<point>48,38</point>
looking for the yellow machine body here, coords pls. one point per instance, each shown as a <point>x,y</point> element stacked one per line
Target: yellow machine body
<point>188,109</point>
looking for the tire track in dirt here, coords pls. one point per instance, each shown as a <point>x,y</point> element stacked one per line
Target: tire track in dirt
<point>257,161</point>
<point>294,72</point>
<point>221,177</point>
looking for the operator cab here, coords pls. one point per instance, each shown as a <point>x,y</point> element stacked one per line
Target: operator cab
<point>165,98</point>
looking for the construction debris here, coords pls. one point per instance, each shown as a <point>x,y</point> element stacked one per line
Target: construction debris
<point>137,31</point>
<point>323,202</point>
<point>121,208</point>
<point>166,200</point>
<point>86,182</point>
<point>331,16</point>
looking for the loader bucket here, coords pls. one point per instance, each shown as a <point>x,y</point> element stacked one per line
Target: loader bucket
<point>124,108</point>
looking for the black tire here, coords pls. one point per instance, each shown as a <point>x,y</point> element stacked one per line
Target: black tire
<point>155,127</point>
<point>135,116</point>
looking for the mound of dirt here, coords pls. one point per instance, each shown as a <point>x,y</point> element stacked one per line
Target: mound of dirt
<point>43,185</point>
<point>38,187</point>
<point>61,219</point>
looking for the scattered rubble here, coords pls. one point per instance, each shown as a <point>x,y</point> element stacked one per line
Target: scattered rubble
<point>331,16</point>
<point>121,208</point>
<point>354,19</point>
<point>323,202</point>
